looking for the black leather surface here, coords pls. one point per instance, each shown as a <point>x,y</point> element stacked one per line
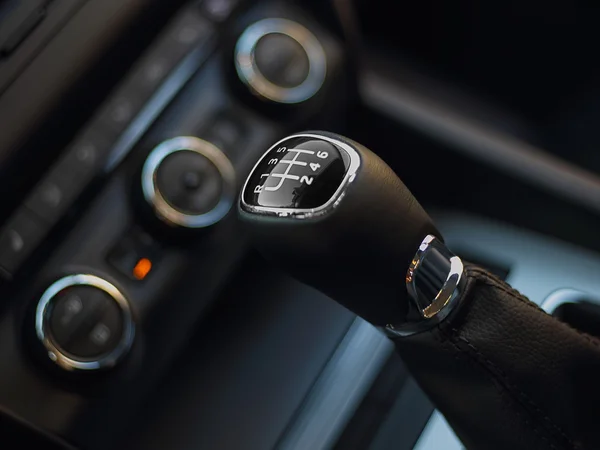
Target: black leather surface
<point>506,375</point>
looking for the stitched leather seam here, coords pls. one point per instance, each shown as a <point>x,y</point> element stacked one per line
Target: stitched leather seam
<point>448,344</point>
<point>485,278</point>
<point>492,367</point>
<point>521,412</point>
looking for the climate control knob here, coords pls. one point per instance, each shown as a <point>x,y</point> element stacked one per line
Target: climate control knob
<point>84,322</point>
<point>280,61</point>
<point>188,182</point>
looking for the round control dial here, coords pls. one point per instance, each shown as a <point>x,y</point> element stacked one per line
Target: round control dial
<point>189,182</point>
<point>280,60</point>
<point>84,322</point>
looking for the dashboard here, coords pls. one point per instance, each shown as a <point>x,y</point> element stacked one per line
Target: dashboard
<point>133,312</point>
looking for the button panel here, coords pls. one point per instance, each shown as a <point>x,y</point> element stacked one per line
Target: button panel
<point>18,239</point>
<point>188,31</point>
<point>218,10</point>
<point>90,154</point>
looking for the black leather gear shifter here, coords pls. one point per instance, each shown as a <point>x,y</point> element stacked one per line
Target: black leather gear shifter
<point>504,373</point>
<point>320,238</point>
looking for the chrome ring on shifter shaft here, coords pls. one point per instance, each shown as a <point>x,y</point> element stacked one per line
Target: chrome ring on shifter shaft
<point>435,282</point>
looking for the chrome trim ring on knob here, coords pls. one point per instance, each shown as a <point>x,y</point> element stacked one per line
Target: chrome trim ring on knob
<point>58,356</point>
<point>250,74</point>
<point>430,307</point>
<point>435,282</point>
<point>162,208</point>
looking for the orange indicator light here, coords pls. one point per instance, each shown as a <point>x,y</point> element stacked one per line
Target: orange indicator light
<point>142,268</point>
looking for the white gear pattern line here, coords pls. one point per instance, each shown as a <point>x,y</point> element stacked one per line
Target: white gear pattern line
<point>286,175</point>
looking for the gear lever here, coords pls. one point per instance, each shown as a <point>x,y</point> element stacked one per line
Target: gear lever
<point>503,372</point>
<point>302,201</point>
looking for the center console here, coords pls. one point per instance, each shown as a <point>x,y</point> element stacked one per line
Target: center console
<point>133,313</point>
<point>112,257</point>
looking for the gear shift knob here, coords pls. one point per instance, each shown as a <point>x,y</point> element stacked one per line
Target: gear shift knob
<point>334,215</point>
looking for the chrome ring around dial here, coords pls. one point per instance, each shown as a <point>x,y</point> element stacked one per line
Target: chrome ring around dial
<point>251,75</point>
<point>167,212</point>
<point>54,352</point>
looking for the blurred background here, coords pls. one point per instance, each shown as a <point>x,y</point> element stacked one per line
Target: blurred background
<point>487,111</point>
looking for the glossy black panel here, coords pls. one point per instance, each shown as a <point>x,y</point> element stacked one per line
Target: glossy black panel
<point>301,173</point>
